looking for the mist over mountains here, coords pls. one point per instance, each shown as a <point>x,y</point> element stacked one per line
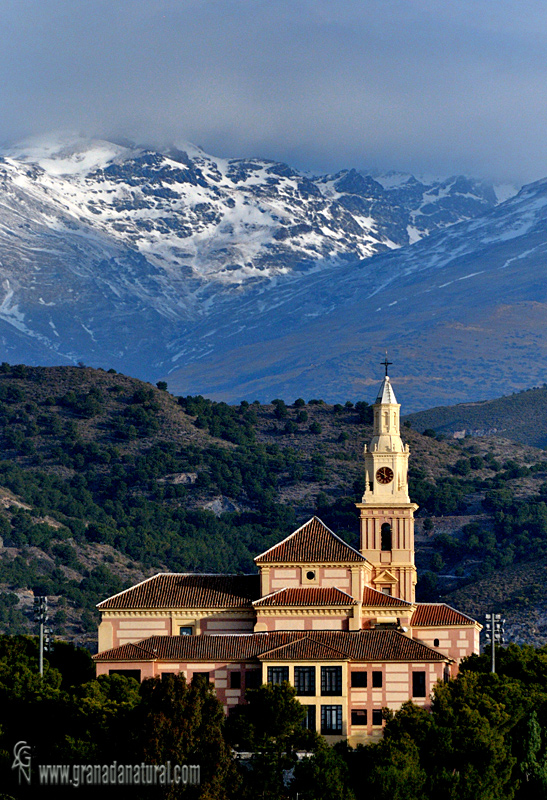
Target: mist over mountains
<point>246,278</point>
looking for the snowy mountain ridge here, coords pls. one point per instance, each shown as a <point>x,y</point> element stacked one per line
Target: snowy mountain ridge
<point>231,221</point>
<point>174,263</point>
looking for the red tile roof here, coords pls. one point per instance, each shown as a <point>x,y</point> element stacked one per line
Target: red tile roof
<point>312,543</point>
<point>304,649</point>
<point>435,614</point>
<point>366,645</point>
<point>207,647</point>
<point>372,597</point>
<point>132,652</point>
<point>171,590</point>
<point>306,596</point>
<point>387,645</point>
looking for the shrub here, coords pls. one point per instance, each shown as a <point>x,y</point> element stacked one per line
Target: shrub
<point>365,412</point>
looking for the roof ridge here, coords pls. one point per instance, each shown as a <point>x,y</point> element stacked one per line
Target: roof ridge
<point>288,537</point>
<point>418,642</point>
<point>311,519</point>
<point>393,597</point>
<point>123,591</point>
<point>240,589</point>
<point>426,603</point>
<point>343,542</point>
<point>138,645</point>
<point>297,636</point>
<point>447,605</point>
<point>271,594</point>
<point>207,574</point>
<point>351,597</point>
<point>306,589</point>
<point>304,638</point>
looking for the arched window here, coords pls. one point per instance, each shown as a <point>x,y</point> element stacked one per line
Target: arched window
<point>435,642</point>
<point>386,536</point>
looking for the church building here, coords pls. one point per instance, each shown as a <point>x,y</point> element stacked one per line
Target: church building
<point>341,625</point>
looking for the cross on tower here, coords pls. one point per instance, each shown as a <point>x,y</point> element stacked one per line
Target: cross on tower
<point>386,363</point>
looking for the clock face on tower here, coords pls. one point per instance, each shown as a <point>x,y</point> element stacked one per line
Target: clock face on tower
<point>384,475</point>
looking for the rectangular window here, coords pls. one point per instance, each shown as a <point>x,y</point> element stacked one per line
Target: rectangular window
<point>359,680</point>
<point>204,675</point>
<point>277,675</point>
<point>186,630</point>
<point>359,716</point>
<point>309,720</point>
<point>235,680</point>
<point>331,720</point>
<point>129,673</point>
<point>304,680</point>
<point>253,679</point>
<point>418,684</point>
<point>376,680</point>
<point>377,717</point>
<point>331,681</point>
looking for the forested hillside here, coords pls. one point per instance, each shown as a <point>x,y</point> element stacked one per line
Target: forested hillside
<point>105,480</point>
<point>521,416</point>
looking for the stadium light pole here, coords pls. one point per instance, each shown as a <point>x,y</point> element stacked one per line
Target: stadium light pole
<point>494,633</point>
<point>41,616</point>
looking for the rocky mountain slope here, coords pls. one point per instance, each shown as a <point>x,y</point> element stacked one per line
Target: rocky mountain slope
<point>174,264</point>
<point>463,314</point>
<point>114,254</point>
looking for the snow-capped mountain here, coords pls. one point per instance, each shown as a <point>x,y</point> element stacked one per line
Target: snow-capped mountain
<point>149,261</point>
<point>463,314</point>
<point>230,221</point>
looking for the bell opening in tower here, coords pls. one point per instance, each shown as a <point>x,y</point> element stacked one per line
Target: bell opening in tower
<point>386,537</point>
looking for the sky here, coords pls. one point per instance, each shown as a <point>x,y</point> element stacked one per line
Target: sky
<point>431,87</point>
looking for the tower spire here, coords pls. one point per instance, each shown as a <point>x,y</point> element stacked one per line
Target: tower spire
<point>387,513</point>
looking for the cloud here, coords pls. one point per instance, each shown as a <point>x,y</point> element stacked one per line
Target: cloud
<point>391,84</point>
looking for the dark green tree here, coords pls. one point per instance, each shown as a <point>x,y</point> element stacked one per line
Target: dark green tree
<point>324,776</point>
<point>533,766</point>
<point>270,726</point>
<point>183,723</point>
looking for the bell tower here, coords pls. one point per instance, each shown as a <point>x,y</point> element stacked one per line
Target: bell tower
<point>387,514</point>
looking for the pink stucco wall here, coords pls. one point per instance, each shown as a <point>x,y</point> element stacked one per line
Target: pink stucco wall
<point>292,577</point>
<point>123,629</point>
<point>219,674</point>
<point>454,641</point>
<point>335,622</point>
<point>396,689</point>
<point>397,685</point>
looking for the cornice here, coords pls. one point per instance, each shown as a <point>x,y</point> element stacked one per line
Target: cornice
<point>305,611</point>
<point>310,564</point>
<point>169,613</point>
<point>377,506</point>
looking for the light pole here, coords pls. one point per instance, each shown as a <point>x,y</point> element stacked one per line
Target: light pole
<point>41,616</point>
<point>494,633</point>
